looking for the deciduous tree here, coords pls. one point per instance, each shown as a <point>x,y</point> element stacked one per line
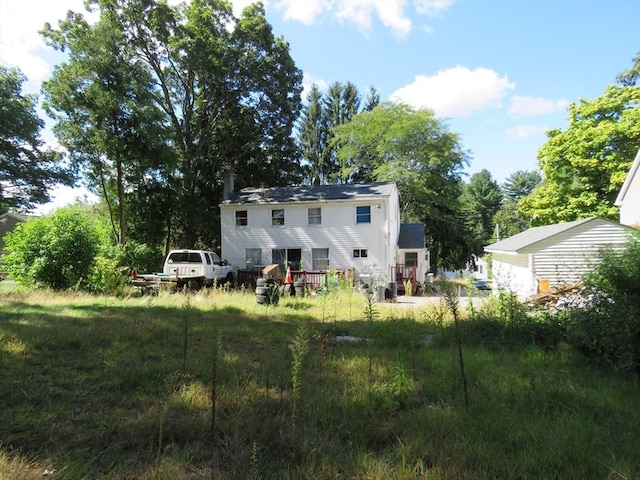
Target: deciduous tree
<point>106,117</point>
<point>28,169</point>
<point>585,165</point>
<point>417,151</point>
<point>227,89</point>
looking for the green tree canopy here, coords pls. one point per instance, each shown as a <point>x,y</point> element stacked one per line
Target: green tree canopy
<point>417,151</point>
<point>56,251</point>
<point>585,165</point>
<point>226,89</point>
<point>106,116</point>
<point>28,169</point>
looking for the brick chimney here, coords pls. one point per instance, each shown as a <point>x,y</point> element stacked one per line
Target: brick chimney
<point>227,182</point>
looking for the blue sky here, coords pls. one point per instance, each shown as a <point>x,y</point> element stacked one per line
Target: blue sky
<point>498,72</point>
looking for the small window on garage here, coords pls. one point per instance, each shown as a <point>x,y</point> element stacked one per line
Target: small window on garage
<point>360,253</point>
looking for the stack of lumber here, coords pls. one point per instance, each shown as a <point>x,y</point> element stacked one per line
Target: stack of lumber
<point>549,298</point>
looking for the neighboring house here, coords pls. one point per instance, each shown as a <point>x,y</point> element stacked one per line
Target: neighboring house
<point>629,197</point>
<point>477,268</point>
<point>543,257</point>
<point>8,222</point>
<point>318,228</point>
<point>412,258</point>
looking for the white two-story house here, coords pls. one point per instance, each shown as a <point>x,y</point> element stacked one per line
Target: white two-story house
<point>316,228</point>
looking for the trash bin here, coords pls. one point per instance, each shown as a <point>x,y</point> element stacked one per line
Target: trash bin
<point>392,291</point>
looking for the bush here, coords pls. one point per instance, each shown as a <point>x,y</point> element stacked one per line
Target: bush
<point>56,251</point>
<point>610,326</point>
<point>113,265</point>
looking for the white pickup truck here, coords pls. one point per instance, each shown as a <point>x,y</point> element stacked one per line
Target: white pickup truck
<point>191,268</point>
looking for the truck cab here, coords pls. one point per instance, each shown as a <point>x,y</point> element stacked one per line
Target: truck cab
<point>197,268</point>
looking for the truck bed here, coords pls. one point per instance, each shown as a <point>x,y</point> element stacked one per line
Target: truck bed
<point>150,282</point>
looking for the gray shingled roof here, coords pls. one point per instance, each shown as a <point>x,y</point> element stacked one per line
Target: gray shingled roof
<point>311,193</point>
<point>411,236</point>
<point>534,235</point>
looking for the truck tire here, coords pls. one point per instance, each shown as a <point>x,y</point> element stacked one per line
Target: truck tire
<point>262,299</point>
<point>229,279</point>
<point>193,285</point>
<point>261,291</point>
<point>261,282</point>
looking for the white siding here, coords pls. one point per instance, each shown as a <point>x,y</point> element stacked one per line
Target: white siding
<point>630,207</point>
<point>566,257</point>
<point>511,273</point>
<point>338,232</point>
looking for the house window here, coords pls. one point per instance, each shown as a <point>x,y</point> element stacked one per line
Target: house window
<point>253,257</point>
<point>241,218</point>
<point>411,259</point>
<point>363,214</point>
<point>287,256</point>
<point>314,216</point>
<point>360,253</point>
<point>320,258</point>
<point>277,216</point>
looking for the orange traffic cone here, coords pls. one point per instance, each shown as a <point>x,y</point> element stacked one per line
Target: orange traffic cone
<point>288,278</point>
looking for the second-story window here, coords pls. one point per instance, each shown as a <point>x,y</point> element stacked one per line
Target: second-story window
<point>241,218</point>
<point>277,216</point>
<point>363,214</point>
<point>314,216</point>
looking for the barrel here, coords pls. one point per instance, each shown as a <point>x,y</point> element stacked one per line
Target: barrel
<point>391,292</point>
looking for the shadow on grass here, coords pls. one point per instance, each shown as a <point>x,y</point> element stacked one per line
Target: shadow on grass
<point>124,390</point>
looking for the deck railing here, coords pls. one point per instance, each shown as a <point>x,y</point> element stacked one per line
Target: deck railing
<point>313,278</point>
<point>405,275</point>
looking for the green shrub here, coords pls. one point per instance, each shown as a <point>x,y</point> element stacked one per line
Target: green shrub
<point>609,325</point>
<point>55,251</point>
<point>114,263</point>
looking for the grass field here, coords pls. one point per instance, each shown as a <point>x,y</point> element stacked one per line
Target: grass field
<point>215,386</point>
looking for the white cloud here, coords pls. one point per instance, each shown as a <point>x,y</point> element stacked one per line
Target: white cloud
<point>391,13</point>
<point>20,43</point>
<point>524,131</point>
<point>432,8</point>
<point>61,196</point>
<point>534,106</point>
<point>455,92</point>
<point>303,12</point>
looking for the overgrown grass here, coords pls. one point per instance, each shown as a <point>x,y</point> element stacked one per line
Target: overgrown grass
<point>105,388</point>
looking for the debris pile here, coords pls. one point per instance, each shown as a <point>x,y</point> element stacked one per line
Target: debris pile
<point>562,297</point>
